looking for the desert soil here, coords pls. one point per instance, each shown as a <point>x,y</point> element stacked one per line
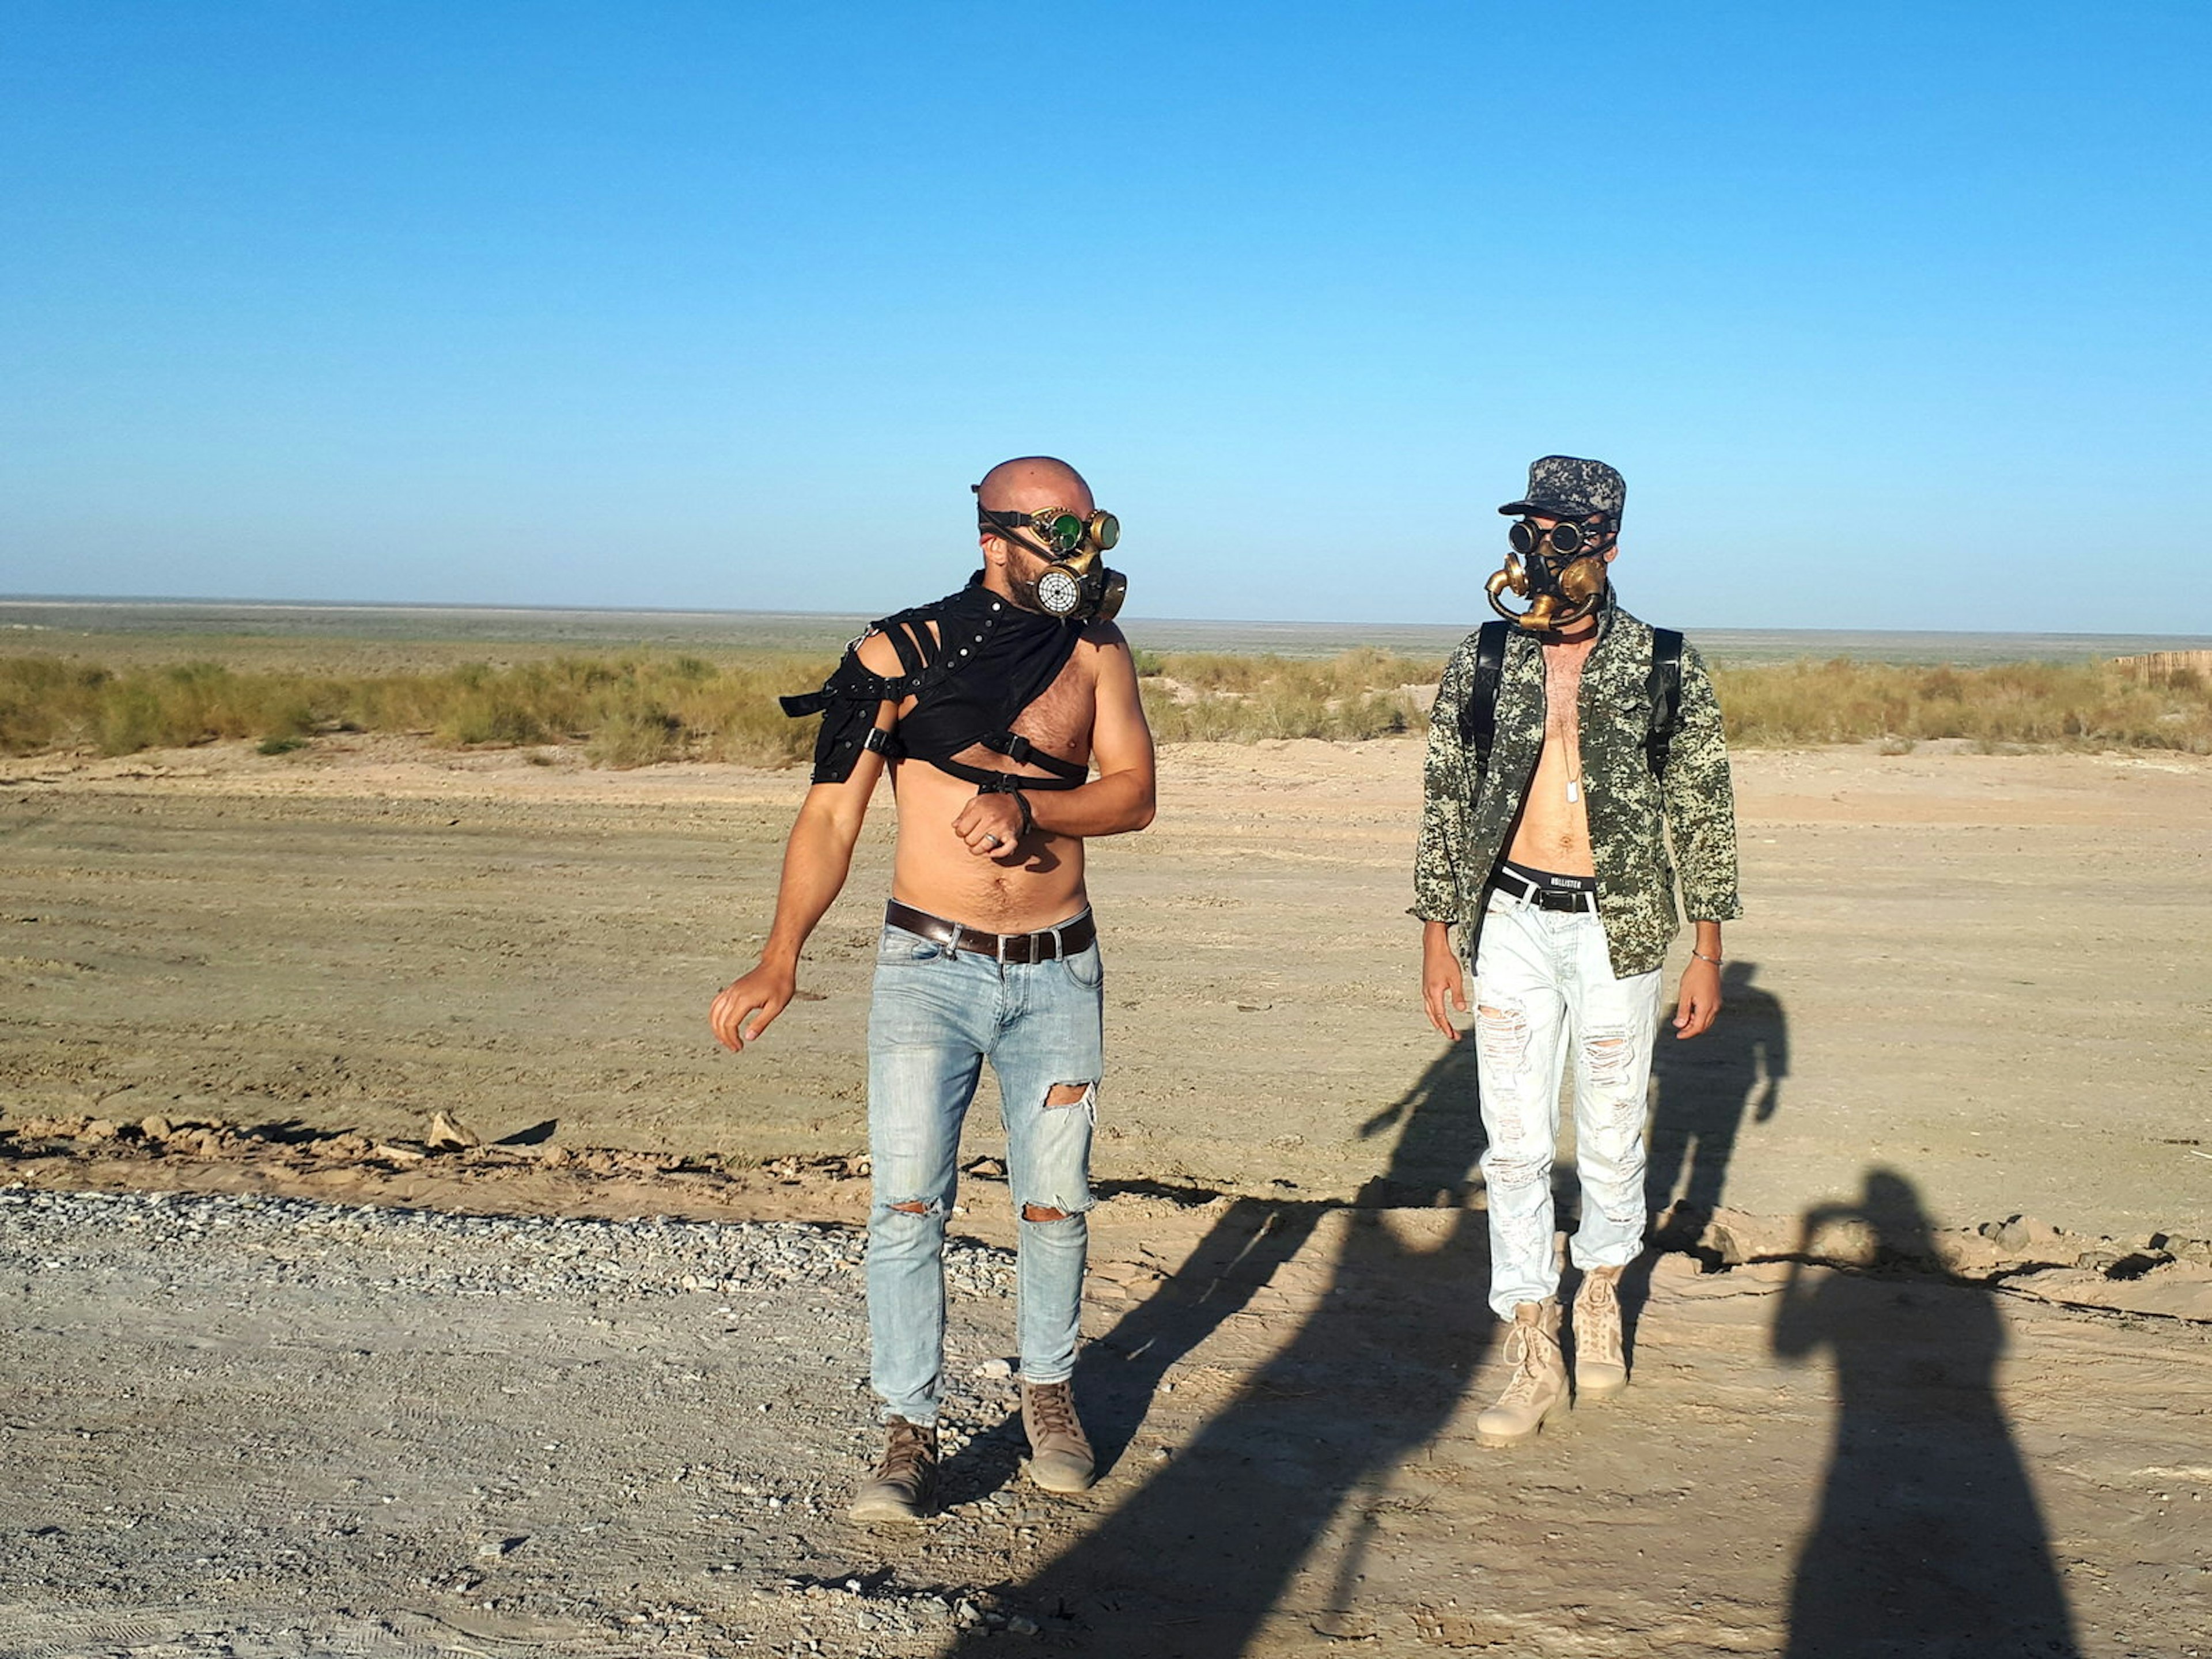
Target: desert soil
<point>290,1372</point>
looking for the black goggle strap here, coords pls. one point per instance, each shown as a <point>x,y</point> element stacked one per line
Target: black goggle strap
<point>1018,527</point>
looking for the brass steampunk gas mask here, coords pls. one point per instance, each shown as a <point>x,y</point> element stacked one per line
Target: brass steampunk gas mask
<point>1560,571</point>
<point>1075,586</point>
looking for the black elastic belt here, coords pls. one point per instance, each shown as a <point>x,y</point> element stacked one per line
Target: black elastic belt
<point>1544,898</point>
<point>1070,938</point>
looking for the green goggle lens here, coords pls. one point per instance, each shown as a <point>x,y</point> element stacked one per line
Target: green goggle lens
<point>1064,534</point>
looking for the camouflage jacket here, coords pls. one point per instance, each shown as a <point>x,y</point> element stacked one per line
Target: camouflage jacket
<point>1467,816</point>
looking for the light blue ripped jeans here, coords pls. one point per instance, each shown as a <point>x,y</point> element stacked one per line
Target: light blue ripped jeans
<point>937,1016</point>
<point>1543,981</point>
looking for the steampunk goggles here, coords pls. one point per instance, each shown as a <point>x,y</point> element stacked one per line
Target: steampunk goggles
<point>1567,538</point>
<point>1059,533</point>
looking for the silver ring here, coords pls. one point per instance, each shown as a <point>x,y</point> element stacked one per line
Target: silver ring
<point>993,842</point>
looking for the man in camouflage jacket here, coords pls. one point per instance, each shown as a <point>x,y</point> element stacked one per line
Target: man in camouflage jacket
<point>1552,861</point>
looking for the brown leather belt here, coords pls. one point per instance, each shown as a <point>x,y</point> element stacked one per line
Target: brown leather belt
<point>1070,939</point>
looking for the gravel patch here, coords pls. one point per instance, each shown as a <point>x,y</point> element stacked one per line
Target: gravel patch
<point>261,1425</point>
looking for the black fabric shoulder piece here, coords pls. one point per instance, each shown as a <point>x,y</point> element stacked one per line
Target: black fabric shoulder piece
<point>971,662</point>
<point>847,702</point>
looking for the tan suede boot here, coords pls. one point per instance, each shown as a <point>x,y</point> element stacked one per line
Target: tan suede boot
<point>1601,1361</point>
<point>1539,1380</point>
<point>1060,1452</point>
<point>903,1487</point>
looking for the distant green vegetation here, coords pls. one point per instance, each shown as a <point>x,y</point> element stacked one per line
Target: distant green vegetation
<point>636,709</point>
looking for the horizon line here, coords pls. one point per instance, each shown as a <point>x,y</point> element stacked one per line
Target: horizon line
<point>62,600</point>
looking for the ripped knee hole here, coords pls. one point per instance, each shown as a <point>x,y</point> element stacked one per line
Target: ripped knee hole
<point>1068,1094</point>
<point>1042,1213</point>
<point>1503,1032</point>
<point>1609,1057</point>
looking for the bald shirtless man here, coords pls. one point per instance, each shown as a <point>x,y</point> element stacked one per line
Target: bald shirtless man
<point>989,707</point>
<point>1570,746</point>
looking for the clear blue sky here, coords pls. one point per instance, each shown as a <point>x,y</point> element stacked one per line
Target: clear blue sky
<point>1894,315</point>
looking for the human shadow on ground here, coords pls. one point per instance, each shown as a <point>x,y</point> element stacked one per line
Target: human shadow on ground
<point>1706,1087</point>
<point>1193,1562</point>
<point>1930,1539</point>
<point>1702,1090</point>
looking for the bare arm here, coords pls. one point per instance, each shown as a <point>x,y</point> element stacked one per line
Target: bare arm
<point>816,860</point>
<point>1122,798</point>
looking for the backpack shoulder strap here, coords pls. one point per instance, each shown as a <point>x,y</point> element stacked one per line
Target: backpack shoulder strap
<point>1665,690</point>
<point>1478,721</point>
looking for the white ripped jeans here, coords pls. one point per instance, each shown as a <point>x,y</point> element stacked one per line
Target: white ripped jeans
<point>1543,983</point>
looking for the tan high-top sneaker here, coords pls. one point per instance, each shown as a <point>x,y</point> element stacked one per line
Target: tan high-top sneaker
<point>1539,1380</point>
<point>1601,1362</point>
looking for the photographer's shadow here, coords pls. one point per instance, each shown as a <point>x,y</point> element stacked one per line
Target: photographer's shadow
<point>1930,1539</point>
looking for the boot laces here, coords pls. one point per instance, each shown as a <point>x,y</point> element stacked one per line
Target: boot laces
<point>1526,1381</point>
<point>1052,1405</point>
<point>912,1448</point>
<point>1597,1315</point>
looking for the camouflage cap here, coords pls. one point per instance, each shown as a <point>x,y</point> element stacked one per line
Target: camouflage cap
<point>1564,487</point>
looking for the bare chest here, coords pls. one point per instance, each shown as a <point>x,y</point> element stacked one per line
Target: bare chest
<point>1563,725</point>
<point>1060,721</point>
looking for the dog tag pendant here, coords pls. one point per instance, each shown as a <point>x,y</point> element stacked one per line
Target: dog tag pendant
<point>1574,792</point>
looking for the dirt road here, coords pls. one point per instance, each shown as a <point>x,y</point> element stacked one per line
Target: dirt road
<point>378,1398</point>
<point>1986,969</point>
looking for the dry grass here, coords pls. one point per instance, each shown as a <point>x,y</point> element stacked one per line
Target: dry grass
<point>1210,697</point>
<point>636,710</point>
<point>628,711</point>
<point>2043,705</point>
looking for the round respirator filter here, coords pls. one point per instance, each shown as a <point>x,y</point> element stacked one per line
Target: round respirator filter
<point>1059,592</point>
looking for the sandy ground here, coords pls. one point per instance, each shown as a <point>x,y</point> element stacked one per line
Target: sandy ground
<point>1970,987</point>
<point>1987,971</point>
